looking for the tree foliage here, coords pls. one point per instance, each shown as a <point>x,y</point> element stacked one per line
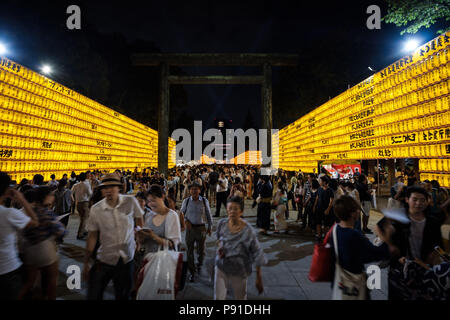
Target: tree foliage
<point>412,15</point>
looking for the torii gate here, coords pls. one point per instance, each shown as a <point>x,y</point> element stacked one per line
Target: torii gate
<point>165,60</point>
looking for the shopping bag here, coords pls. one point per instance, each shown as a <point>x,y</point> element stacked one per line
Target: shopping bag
<point>374,199</point>
<point>347,285</point>
<point>321,266</point>
<point>158,275</point>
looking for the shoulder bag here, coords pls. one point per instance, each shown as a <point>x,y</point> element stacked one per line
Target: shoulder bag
<point>347,285</point>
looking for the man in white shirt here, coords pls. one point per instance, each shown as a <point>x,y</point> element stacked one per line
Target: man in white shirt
<point>81,193</point>
<point>221,195</point>
<point>112,220</point>
<point>11,221</point>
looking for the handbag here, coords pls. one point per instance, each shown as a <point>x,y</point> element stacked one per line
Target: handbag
<point>321,267</point>
<point>347,285</point>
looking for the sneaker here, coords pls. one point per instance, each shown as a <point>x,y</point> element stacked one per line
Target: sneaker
<point>367,230</point>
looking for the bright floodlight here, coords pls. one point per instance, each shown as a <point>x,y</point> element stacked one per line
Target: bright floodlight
<point>411,45</point>
<point>46,69</point>
<point>2,49</point>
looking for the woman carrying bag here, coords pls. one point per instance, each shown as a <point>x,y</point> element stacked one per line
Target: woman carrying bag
<point>39,245</point>
<point>238,251</point>
<point>161,229</point>
<point>352,251</point>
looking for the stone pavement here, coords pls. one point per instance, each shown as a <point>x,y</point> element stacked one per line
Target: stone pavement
<point>285,276</point>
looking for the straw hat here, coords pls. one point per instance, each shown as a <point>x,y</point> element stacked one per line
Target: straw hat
<point>110,179</point>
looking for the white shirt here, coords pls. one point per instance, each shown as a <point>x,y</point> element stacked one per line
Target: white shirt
<point>225,183</point>
<point>82,191</point>
<point>116,226</point>
<point>416,236</point>
<point>172,229</point>
<point>11,220</point>
<point>171,183</point>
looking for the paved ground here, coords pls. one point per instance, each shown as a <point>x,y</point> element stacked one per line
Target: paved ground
<point>285,276</point>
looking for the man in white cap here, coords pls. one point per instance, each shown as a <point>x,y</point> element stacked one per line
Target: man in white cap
<point>114,218</point>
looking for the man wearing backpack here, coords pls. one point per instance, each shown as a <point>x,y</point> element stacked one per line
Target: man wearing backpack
<point>196,212</point>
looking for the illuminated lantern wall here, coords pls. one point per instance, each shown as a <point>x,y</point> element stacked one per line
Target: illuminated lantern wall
<point>172,152</point>
<point>400,112</point>
<point>250,157</point>
<point>48,128</point>
<point>207,160</point>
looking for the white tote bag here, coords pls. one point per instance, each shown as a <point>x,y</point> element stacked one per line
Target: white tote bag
<point>159,276</point>
<point>347,285</point>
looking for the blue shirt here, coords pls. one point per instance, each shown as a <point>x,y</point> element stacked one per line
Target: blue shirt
<point>355,250</point>
<point>197,211</point>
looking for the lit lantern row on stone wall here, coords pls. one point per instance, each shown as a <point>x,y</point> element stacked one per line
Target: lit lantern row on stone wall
<point>400,112</point>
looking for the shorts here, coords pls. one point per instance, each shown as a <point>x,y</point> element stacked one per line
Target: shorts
<point>41,254</point>
<point>213,187</point>
<point>321,219</point>
<point>366,206</point>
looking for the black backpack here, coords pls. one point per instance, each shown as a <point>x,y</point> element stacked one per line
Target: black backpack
<point>189,199</point>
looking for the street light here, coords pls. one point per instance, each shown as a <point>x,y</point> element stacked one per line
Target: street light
<point>2,48</point>
<point>411,45</point>
<point>46,69</point>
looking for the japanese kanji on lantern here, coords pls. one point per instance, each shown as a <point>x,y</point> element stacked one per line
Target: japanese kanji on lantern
<point>48,128</point>
<point>400,112</point>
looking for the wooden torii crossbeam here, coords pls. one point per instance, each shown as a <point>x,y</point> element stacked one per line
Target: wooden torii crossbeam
<point>165,60</point>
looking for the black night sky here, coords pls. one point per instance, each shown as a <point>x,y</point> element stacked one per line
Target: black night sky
<point>334,44</point>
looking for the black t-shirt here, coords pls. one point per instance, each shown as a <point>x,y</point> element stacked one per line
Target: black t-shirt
<point>213,177</point>
<point>159,181</point>
<point>324,198</point>
<point>363,190</point>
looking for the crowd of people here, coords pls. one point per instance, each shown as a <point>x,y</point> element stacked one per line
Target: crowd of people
<point>124,216</point>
